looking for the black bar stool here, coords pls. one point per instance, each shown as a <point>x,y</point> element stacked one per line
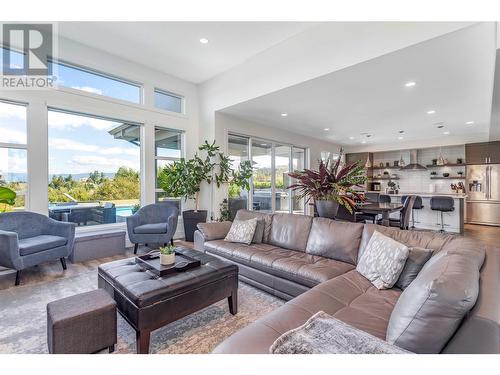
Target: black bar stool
<point>442,204</point>
<point>417,205</point>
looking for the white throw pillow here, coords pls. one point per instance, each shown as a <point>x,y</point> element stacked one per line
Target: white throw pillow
<point>383,261</point>
<point>242,231</point>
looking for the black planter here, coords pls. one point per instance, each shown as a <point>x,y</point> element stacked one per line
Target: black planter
<point>327,209</point>
<point>191,218</point>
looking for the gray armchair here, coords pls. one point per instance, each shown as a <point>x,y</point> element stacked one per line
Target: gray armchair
<point>153,224</point>
<point>28,239</point>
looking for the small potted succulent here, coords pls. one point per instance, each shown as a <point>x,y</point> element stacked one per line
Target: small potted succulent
<point>167,255</point>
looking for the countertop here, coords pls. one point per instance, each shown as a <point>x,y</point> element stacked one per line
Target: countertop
<point>425,195</point>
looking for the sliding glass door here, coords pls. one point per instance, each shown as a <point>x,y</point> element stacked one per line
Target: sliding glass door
<point>298,164</point>
<point>238,151</point>
<point>271,163</point>
<point>262,180</point>
<point>281,179</point>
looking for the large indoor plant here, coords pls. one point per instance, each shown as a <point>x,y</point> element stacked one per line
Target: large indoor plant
<point>330,186</point>
<point>7,198</point>
<point>183,178</point>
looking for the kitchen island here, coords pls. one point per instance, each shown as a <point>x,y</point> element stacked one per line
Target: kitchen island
<point>429,219</point>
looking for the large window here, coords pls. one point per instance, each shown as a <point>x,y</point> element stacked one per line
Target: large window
<point>95,82</point>
<point>271,163</point>
<point>94,166</point>
<point>13,153</point>
<point>168,148</point>
<point>168,101</point>
<point>238,152</point>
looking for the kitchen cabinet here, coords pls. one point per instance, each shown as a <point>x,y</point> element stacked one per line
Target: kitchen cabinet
<point>494,151</point>
<point>477,153</point>
<point>482,153</point>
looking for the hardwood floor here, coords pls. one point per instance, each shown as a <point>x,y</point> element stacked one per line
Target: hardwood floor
<point>485,233</point>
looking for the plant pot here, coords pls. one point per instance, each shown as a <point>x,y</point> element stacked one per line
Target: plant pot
<point>191,218</point>
<point>327,209</point>
<point>166,260</point>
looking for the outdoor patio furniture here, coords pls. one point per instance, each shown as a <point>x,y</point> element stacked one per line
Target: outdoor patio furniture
<point>28,239</point>
<point>153,224</point>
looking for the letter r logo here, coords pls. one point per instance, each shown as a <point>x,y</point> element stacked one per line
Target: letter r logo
<point>27,48</point>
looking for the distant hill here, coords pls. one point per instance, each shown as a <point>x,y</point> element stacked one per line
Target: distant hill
<point>22,177</point>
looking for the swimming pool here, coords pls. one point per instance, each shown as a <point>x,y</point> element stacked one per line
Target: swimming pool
<point>124,211</point>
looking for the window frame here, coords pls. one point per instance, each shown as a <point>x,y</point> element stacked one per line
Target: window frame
<point>273,144</point>
<point>117,225</point>
<point>99,73</point>
<point>169,93</point>
<point>20,146</point>
<point>168,158</point>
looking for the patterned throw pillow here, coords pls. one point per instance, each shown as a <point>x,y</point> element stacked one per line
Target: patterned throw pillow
<point>382,261</point>
<point>242,231</point>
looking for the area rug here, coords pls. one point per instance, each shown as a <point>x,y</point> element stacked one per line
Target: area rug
<point>23,319</point>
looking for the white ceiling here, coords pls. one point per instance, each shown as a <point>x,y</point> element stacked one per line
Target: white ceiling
<point>174,47</point>
<point>453,75</point>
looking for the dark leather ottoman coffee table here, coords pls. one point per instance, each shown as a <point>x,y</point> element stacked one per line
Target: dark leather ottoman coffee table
<point>148,302</point>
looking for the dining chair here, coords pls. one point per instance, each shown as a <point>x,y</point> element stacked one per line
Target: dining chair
<point>404,218</point>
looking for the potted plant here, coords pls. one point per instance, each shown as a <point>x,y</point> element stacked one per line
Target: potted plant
<point>7,198</point>
<point>167,255</point>
<point>183,178</point>
<point>330,186</point>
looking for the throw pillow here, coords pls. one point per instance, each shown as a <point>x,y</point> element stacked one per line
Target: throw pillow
<point>429,311</point>
<point>259,231</point>
<point>416,260</point>
<point>242,231</point>
<point>382,261</point>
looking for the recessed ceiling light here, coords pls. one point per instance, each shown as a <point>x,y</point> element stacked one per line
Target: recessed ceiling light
<point>400,137</point>
<point>431,112</point>
<point>363,141</point>
<point>326,129</point>
<point>446,132</point>
<point>204,41</point>
<point>469,123</point>
<point>284,114</point>
<point>351,137</point>
<point>410,84</point>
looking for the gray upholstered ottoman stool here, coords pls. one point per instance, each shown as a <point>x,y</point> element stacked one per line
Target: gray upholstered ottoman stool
<point>82,324</point>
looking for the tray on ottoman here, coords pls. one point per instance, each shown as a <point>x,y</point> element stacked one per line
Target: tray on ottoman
<point>151,262</point>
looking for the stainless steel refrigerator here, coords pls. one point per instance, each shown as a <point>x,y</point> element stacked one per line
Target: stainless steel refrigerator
<point>483,194</point>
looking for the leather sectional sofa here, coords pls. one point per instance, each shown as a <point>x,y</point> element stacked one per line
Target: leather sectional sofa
<point>312,263</point>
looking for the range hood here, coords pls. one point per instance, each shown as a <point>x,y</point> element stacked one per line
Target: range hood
<point>414,165</point>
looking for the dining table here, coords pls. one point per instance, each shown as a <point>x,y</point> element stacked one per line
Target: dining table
<point>379,208</point>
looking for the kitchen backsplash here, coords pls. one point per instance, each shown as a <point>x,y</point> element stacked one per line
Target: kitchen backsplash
<point>420,181</point>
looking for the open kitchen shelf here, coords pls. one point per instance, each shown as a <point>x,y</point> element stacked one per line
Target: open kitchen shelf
<point>445,165</point>
<point>379,167</point>
<point>448,178</point>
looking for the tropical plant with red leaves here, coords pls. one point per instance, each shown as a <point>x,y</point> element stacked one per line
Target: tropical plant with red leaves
<point>332,181</point>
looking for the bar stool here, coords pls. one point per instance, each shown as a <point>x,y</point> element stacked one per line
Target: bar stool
<point>417,205</point>
<point>442,204</point>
